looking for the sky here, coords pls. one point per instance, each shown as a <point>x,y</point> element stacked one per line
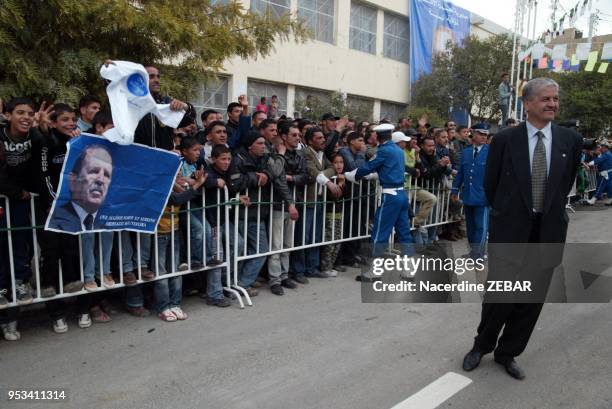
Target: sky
<point>502,13</point>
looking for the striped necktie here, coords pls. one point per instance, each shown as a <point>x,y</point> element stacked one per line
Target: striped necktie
<point>538,174</point>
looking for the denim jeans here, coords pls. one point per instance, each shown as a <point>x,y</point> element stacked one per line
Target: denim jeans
<point>90,249</point>
<point>21,239</point>
<point>307,261</point>
<point>251,267</point>
<point>168,291</point>
<point>129,253</point>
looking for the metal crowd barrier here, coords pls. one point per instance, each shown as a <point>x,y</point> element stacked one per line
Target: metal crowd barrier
<point>590,176</point>
<point>361,202</point>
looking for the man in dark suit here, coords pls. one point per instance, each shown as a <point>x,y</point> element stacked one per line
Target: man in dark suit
<point>530,171</point>
<point>89,181</point>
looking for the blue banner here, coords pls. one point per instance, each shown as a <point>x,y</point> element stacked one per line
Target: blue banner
<point>432,24</point>
<point>106,186</point>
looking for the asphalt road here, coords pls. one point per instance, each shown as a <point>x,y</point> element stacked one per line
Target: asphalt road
<point>316,347</point>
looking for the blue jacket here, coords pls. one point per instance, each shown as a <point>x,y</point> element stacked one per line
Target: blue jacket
<point>603,161</point>
<point>389,163</point>
<point>470,177</point>
<point>351,161</point>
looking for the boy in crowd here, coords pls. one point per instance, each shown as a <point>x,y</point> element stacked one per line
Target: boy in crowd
<point>168,291</point>
<point>89,106</point>
<point>333,221</point>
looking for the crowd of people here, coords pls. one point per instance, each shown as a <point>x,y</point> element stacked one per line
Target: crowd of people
<point>296,165</point>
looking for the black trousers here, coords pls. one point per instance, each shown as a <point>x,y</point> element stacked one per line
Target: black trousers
<point>56,247</point>
<point>516,319</point>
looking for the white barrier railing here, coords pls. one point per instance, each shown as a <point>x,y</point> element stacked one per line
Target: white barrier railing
<point>359,201</point>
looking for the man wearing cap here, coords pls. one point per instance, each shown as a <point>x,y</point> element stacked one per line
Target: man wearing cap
<point>470,180</point>
<point>604,167</point>
<point>393,210</point>
<point>530,171</point>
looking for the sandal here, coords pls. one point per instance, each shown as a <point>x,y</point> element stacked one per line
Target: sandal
<point>99,316</point>
<point>167,315</point>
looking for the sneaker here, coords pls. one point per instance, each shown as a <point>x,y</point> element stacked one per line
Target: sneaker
<point>331,273</point>
<point>24,292</point>
<point>183,267</point>
<point>73,287</point>
<point>129,278</point>
<point>147,275</point>
<point>138,311</point>
<point>107,281</point>
<point>99,316</point>
<point>288,283</point>
<point>48,292</point>
<point>3,300</point>
<point>167,315</point>
<point>277,289</point>
<point>91,286</point>
<point>252,292</point>
<point>221,302</point>
<point>84,321</point>
<point>591,201</point>
<point>300,278</point>
<point>9,330</point>
<point>60,326</point>
<point>179,313</point>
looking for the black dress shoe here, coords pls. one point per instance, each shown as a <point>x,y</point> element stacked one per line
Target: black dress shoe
<point>472,360</point>
<point>277,289</point>
<point>512,368</point>
<point>288,283</point>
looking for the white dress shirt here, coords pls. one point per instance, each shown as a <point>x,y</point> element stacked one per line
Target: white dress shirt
<point>532,139</point>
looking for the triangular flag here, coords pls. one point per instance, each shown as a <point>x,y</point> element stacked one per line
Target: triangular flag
<point>574,61</point>
<point>603,67</point>
<point>543,63</point>
<point>591,61</point>
<point>606,52</point>
<point>582,51</point>
<point>565,65</point>
<point>557,63</point>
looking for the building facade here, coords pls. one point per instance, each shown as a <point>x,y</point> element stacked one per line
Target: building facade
<point>360,49</point>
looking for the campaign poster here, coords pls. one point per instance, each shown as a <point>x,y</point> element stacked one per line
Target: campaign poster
<point>105,186</point>
<point>432,24</point>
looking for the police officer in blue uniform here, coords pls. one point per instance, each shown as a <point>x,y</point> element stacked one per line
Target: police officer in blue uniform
<point>604,167</point>
<point>470,180</point>
<point>393,211</point>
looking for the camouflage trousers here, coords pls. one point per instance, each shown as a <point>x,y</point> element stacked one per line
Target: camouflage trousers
<point>329,252</point>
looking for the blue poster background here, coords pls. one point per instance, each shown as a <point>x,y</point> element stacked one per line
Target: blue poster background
<point>432,24</point>
<point>142,178</point>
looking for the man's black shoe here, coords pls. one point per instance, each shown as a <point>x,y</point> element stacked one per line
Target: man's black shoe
<point>300,278</point>
<point>472,360</point>
<point>512,368</point>
<point>277,289</point>
<point>288,283</point>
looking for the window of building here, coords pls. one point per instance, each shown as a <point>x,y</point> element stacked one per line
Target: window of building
<point>273,8</point>
<point>311,103</point>
<point>319,17</point>
<point>362,34</point>
<point>213,95</point>
<point>360,108</point>
<point>257,89</point>
<point>396,38</point>
<point>392,111</point>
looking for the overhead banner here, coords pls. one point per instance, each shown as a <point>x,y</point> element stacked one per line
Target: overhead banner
<point>432,24</point>
<point>106,186</point>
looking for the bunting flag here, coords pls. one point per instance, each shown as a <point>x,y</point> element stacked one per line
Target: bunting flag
<point>582,51</point>
<point>543,63</point>
<point>603,67</point>
<point>591,61</point>
<point>566,64</point>
<point>550,64</point>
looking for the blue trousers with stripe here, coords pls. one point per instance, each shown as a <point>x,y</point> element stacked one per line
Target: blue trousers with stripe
<point>604,186</point>
<point>477,222</point>
<point>392,213</point>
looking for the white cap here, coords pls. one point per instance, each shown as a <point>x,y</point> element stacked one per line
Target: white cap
<point>399,137</point>
<point>383,128</point>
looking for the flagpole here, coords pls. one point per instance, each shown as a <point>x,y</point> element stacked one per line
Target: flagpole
<point>535,15</point>
<point>518,70</point>
<point>516,18</point>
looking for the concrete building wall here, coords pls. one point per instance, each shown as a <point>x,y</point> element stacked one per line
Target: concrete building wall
<point>334,66</point>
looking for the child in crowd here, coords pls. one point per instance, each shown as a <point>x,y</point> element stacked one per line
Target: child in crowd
<point>168,292</point>
<point>333,221</point>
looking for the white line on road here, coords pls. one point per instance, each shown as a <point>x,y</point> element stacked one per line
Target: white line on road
<point>435,393</point>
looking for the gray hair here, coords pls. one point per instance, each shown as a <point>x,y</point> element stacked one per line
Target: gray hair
<point>534,86</point>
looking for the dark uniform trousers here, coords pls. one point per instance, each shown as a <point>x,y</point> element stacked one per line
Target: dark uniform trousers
<point>517,319</point>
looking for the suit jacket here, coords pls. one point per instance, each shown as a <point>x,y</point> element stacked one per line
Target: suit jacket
<point>313,168</point>
<point>507,185</point>
<point>66,219</point>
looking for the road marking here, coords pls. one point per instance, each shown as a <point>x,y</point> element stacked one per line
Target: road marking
<point>435,393</point>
